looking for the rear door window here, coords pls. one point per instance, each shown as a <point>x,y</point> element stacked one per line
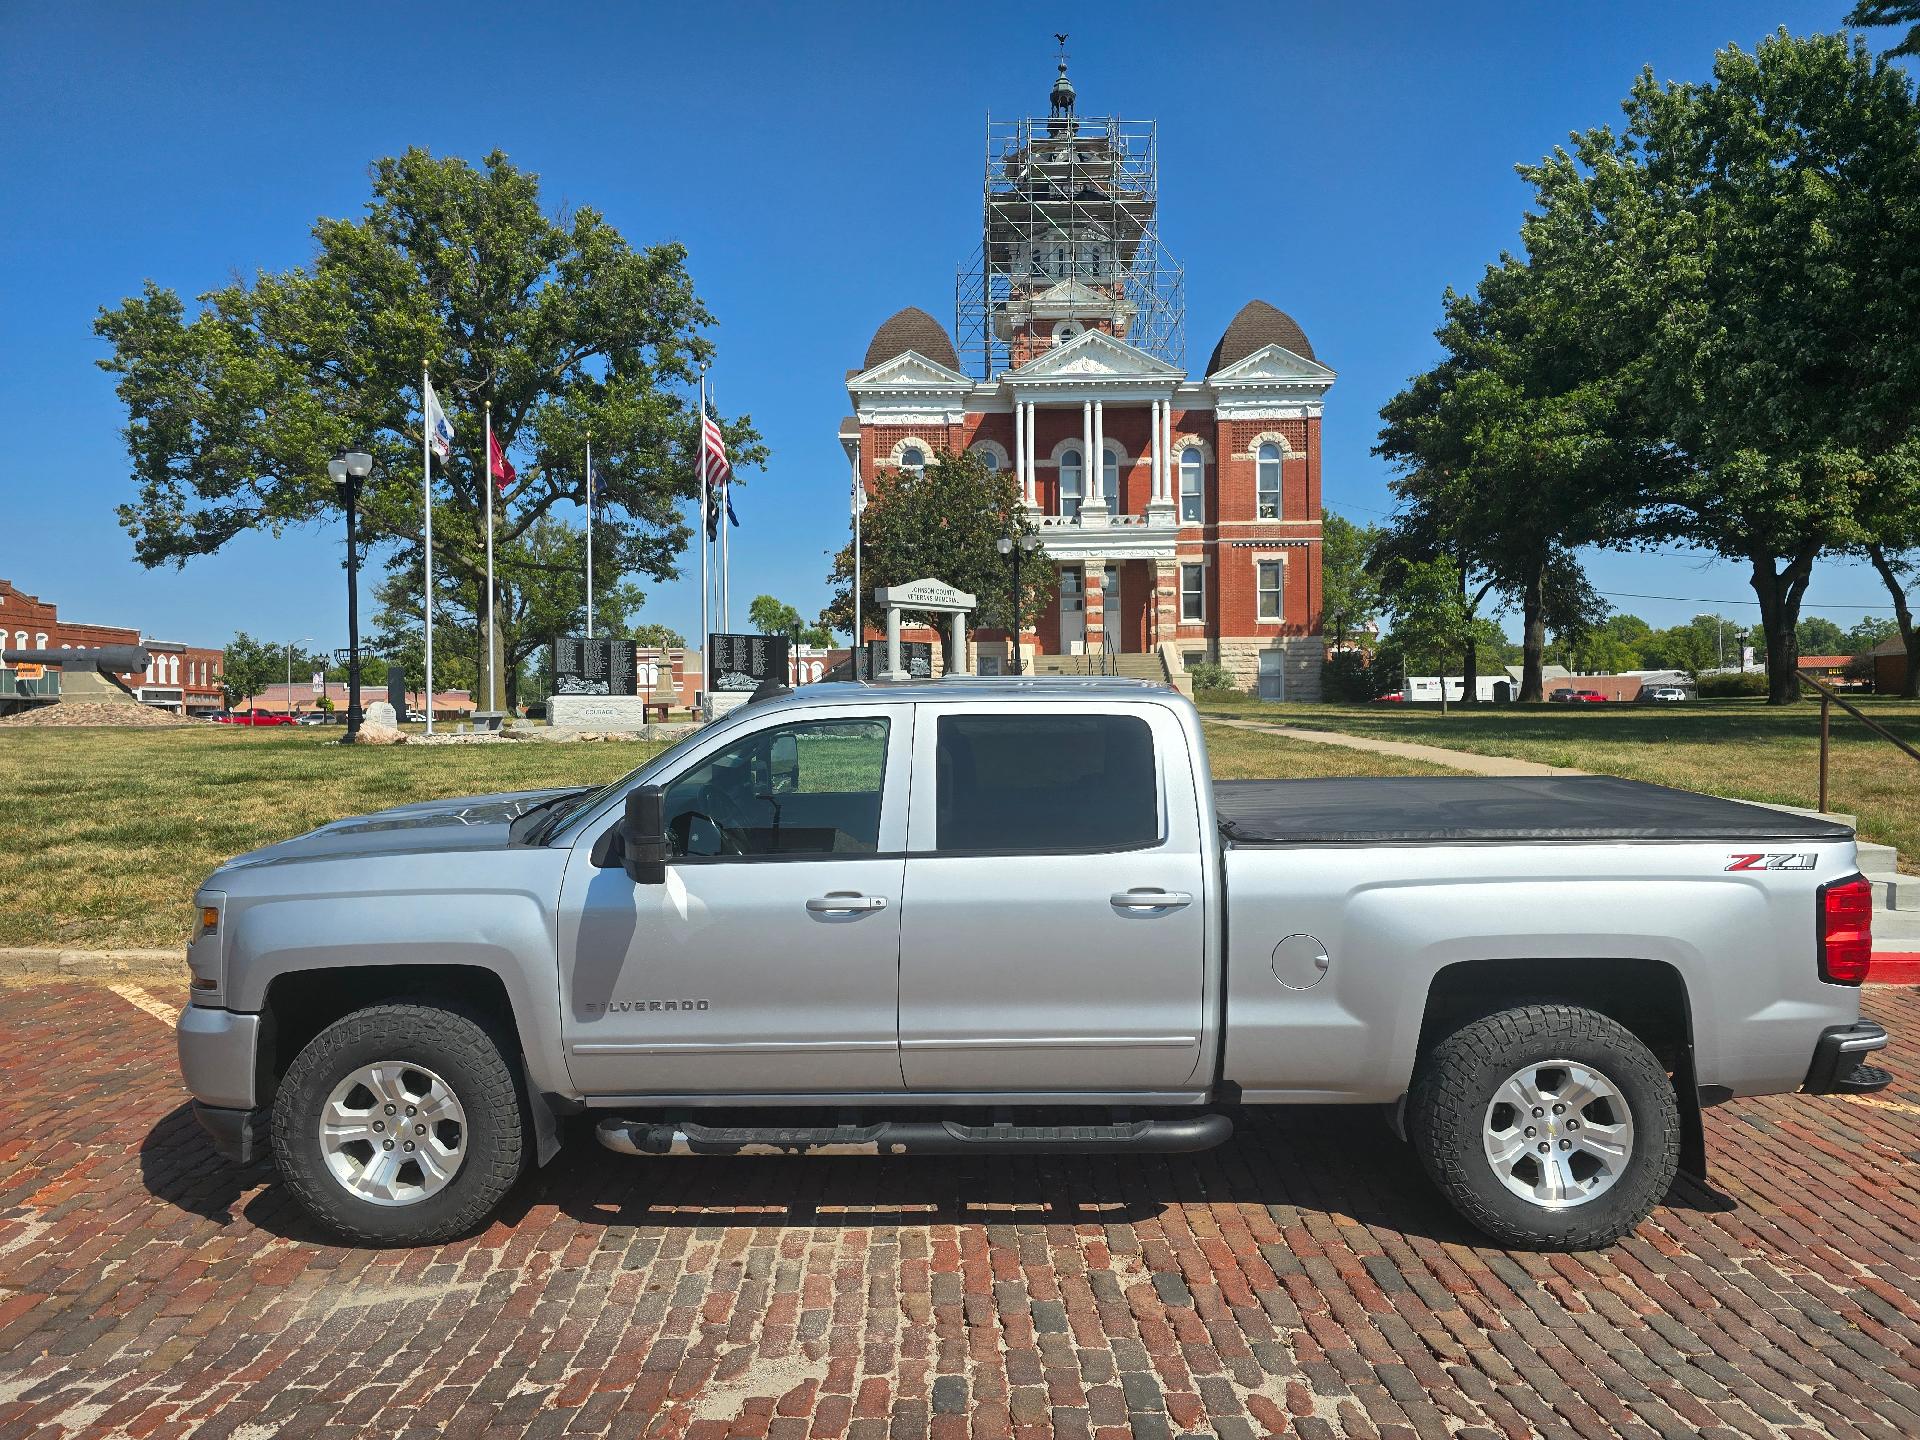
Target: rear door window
<point>1044,783</point>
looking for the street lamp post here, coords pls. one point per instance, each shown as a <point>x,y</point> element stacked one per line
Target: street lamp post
<point>348,472</point>
<point>1009,545</point>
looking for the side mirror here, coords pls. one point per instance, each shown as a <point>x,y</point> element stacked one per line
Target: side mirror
<point>643,835</point>
<point>783,760</point>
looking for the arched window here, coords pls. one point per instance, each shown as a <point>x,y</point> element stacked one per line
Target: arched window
<point>1267,482</point>
<point>1072,478</point>
<point>1192,468</point>
<point>988,458</point>
<point>913,460</point>
<point>1110,480</point>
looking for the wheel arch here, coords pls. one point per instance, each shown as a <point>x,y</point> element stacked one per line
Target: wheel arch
<point>1647,997</point>
<point>300,1003</point>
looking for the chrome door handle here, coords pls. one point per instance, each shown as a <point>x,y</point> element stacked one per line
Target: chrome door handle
<point>1149,899</point>
<point>841,900</point>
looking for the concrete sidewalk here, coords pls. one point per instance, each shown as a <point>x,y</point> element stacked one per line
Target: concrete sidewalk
<point>1431,754</point>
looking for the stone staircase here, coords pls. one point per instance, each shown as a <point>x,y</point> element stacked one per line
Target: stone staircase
<point>1128,667</point>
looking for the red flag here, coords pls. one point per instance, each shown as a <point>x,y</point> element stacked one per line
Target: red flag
<point>497,463</point>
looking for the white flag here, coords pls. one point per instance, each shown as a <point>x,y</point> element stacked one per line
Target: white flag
<point>439,428</point>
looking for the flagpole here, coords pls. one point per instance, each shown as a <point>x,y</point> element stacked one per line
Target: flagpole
<point>589,539</point>
<point>859,640</point>
<point>700,440</point>
<point>726,565</point>
<point>486,479</point>
<point>426,490</point>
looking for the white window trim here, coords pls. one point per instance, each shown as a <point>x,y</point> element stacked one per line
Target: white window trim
<point>900,447</point>
<point>1002,461</point>
<point>1273,558</point>
<point>1180,591</point>
<point>1287,452</point>
<point>1180,449</point>
<point>1076,444</point>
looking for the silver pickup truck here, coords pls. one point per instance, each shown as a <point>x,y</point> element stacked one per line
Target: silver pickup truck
<point>1018,916</point>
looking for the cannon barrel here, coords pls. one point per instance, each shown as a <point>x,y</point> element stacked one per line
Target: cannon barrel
<point>113,659</point>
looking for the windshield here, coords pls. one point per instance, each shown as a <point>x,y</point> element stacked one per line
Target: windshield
<point>585,801</point>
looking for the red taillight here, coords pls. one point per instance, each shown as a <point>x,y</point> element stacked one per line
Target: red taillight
<point>1846,931</point>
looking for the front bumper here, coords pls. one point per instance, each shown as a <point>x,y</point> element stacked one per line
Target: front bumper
<point>1839,1064</point>
<point>238,1135</point>
<point>219,1050</point>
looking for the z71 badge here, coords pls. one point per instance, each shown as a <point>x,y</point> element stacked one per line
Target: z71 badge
<point>1770,862</point>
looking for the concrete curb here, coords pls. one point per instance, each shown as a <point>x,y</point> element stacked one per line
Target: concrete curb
<point>26,962</point>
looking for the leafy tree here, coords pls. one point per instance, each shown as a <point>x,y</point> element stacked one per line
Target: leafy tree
<point>776,617</point>
<point>1514,449</point>
<point>1891,12</point>
<point>1431,617</point>
<point>945,524</point>
<point>1817,635</point>
<point>1746,248</point>
<point>1706,642</point>
<point>572,333</point>
<point>1869,631</point>
<point>250,666</point>
<point>657,636</point>
<point>1350,599</point>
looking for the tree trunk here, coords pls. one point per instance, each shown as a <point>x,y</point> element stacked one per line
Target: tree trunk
<point>1780,593</point>
<point>1903,615</point>
<point>1470,673</point>
<point>1533,637</point>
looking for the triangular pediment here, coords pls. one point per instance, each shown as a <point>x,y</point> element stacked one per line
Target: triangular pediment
<point>1272,364</point>
<point>1076,293</point>
<point>1094,354</point>
<point>909,370</point>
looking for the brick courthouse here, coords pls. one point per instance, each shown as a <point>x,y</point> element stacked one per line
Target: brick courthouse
<point>1197,533</point>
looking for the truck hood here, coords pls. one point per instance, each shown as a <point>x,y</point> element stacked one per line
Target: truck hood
<point>476,822</point>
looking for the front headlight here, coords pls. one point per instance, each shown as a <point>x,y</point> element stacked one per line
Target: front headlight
<point>206,952</point>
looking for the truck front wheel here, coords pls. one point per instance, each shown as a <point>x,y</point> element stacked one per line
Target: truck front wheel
<point>399,1125</point>
<point>1548,1126</point>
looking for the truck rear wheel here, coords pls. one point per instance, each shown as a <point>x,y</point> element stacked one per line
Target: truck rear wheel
<point>399,1125</point>
<point>1547,1126</point>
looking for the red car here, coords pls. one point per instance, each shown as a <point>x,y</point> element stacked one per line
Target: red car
<point>254,717</point>
<point>1589,697</point>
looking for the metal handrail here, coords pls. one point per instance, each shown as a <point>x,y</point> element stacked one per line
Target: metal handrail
<point>1829,697</point>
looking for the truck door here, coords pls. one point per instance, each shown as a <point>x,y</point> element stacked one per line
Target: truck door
<point>768,961</point>
<point>1054,933</point>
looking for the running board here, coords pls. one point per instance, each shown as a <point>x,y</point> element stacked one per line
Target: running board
<point>916,1137</point>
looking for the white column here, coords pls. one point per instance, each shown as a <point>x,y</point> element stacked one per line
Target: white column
<point>1033,469</point>
<point>959,642</point>
<point>893,644</point>
<point>1020,451</point>
<point>1153,467</point>
<point>1086,451</point>
<point>1166,451</point>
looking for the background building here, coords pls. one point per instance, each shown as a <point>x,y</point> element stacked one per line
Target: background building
<point>181,678</point>
<point>1195,533</point>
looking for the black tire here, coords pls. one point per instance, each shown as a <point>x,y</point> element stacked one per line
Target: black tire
<point>450,1044</point>
<point>1447,1112</point>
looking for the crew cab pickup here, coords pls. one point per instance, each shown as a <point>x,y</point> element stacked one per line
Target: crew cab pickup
<point>1018,916</point>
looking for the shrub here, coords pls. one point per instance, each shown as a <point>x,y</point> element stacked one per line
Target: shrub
<point>1209,678</point>
<point>1734,685</point>
<point>1348,676</point>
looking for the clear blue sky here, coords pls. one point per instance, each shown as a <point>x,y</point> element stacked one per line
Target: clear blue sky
<point>822,165</point>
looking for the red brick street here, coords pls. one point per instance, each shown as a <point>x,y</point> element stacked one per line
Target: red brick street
<point>1303,1279</point>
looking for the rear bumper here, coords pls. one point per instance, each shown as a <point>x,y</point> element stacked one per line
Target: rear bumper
<point>1839,1060</point>
<point>238,1135</point>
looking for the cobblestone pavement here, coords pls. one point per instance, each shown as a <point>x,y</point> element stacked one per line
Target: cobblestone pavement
<point>1302,1279</point>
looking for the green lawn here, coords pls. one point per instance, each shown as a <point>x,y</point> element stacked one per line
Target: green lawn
<point>1742,748</point>
<point>105,833</point>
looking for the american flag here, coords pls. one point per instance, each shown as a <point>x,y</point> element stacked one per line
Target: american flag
<point>713,452</point>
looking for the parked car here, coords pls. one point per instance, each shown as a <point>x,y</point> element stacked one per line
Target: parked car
<point>315,717</point>
<point>256,717</point>
<point>1071,942</point>
<point>1663,694</point>
<point>1589,697</point>
<point>1394,698</point>
<point>1562,696</point>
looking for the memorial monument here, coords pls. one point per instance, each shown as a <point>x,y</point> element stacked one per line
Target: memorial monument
<point>595,684</point>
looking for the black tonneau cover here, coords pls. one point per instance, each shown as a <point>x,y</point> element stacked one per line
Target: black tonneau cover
<point>1434,809</point>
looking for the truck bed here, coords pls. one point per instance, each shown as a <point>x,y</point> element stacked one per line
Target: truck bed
<point>1488,809</point>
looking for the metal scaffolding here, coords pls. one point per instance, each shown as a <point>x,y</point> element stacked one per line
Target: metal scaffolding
<point>1069,241</point>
